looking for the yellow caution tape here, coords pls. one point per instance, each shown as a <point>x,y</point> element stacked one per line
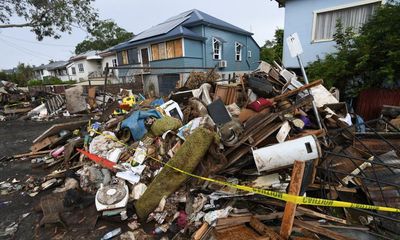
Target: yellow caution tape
<point>268,193</point>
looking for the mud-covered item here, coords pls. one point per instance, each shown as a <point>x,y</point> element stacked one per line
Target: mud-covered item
<point>52,205</point>
<point>230,132</point>
<point>260,86</point>
<point>160,126</point>
<point>218,112</point>
<point>260,104</point>
<point>168,180</point>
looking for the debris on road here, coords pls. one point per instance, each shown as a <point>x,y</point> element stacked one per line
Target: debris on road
<point>216,161</point>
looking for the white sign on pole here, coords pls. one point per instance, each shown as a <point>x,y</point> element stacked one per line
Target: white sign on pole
<point>294,45</point>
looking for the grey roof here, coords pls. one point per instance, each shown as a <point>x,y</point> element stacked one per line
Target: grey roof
<point>90,53</point>
<point>52,65</point>
<point>179,26</point>
<point>159,29</point>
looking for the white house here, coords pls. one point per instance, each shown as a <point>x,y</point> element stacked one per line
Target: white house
<point>90,66</point>
<point>54,69</point>
<point>109,57</point>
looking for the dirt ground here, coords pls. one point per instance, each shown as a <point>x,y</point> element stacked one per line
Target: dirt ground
<point>16,138</point>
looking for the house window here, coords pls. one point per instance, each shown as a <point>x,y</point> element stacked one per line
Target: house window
<point>80,67</point>
<point>158,51</point>
<point>114,62</point>
<point>217,48</point>
<point>351,16</point>
<point>238,51</point>
<point>249,54</point>
<point>125,59</point>
<point>174,48</point>
<point>73,70</point>
<point>165,50</point>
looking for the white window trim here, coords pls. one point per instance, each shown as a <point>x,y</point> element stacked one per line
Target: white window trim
<point>83,68</point>
<point>183,47</point>
<point>213,49</point>
<point>344,6</point>
<point>241,51</point>
<point>148,54</point>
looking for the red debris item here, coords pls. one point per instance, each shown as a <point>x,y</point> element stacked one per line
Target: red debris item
<point>125,106</point>
<point>260,104</point>
<point>182,219</point>
<point>102,161</point>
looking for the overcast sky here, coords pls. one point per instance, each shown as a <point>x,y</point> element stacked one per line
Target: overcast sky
<point>261,17</point>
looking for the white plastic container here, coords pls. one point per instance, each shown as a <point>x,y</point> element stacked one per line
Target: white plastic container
<point>284,154</point>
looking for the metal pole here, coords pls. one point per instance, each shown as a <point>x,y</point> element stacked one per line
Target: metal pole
<point>106,69</point>
<point>303,71</point>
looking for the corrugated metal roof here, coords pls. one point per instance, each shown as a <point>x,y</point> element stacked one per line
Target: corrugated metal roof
<point>159,29</point>
<point>179,26</point>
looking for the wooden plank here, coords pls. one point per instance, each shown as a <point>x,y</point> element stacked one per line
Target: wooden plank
<point>56,128</point>
<point>312,213</point>
<point>237,233</point>
<point>238,220</point>
<point>318,186</point>
<point>44,143</point>
<point>170,49</point>
<point>155,52</point>
<point>302,211</point>
<point>290,208</point>
<point>31,154</point>
<point>200,232</point>
<point>297,90</point>
<point>264,230</point>
<point>92,97</point>
<point>178,47</point>
<point>319,230</point>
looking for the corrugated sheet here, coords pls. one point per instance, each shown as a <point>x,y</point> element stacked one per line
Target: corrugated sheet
<point>370,101</point>
<point>159,29</point>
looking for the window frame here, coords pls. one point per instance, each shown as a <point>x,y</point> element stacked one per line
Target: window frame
<point>162,48</point>
<point>126,57</point>
<point>114,62</point>
<point>79,68</point>
<point>73,71</point>
<point>336,8</point>
<point>214,40</point>
<point>238,44</point>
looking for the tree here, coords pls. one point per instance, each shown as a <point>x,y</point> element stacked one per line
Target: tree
<point>47,18</point>
<point>21,76</point>
<point>104,34</point>
<point>370,59</point>
<point>272,49</point>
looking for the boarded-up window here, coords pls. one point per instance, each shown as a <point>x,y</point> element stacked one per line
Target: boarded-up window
<point>125,59</point>
<point>178,48</point>
<point>162,50</point>
<point>170,49</point>
<point>154,52</point>
<point>158,51</point>
<point>174,48</point>
<point>165,50</point>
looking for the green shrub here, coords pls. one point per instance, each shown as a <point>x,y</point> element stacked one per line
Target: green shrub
<point>370,59</point>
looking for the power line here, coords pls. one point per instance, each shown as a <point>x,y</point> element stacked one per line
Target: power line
<point>25,50</point>
<point>40,43</point>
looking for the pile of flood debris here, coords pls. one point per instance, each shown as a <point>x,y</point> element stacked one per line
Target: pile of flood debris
<point>46,104</point>
<point>213,160</point>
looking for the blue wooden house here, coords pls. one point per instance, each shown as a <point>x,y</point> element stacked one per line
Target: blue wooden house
<point>315,23</point>
<point>192,40</point>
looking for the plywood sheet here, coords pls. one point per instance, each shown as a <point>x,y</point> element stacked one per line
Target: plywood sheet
<point>76,102</point>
